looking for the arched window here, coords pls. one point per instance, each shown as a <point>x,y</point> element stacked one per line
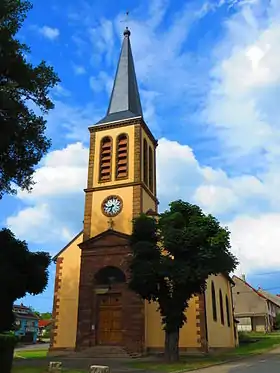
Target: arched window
<point>122,156</point>
<point>151,169</point>
<point>227,309</point>
<point>145,161</point>
<point>214,304</point>
<point>105,159</point>
<point>109,275</point>
<point>221,307</point>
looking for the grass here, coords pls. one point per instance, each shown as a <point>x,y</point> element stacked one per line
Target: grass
<point>253,344</point>
<point>31,354</point>
<point>41,370</point>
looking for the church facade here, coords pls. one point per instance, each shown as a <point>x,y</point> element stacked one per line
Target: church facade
<point>92,303</point>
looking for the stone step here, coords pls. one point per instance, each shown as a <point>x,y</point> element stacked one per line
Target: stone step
<point>102,352</point>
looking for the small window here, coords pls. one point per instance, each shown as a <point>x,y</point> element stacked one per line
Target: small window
<point>151,169</point>
<point>145,161</point>
<point>122,157</point>
<point>214,305</point>
<point>221,307</point>
<point>227,309</point>
<point>105,159</point>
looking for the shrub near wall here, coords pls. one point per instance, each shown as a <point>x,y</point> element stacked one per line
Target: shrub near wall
<point>7,345</point>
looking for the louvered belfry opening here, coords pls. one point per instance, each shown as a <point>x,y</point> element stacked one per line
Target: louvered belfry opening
<point>122,156</point>
<point>151,169</point>
<point>105,159</point>
<point>145,161</point>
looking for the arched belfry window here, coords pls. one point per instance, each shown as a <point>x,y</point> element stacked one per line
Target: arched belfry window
<point>151,169</point>
<point>106,147</point>
<point>145,161</point>
<point>227,310</point>
<point>221,307</point>
<point>122,156</point>
<point>109,275</point>
<point>214,303</point>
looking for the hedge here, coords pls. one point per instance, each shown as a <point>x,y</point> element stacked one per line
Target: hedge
<point>7,345</point>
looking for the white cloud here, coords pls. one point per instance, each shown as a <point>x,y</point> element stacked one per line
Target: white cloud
<point>62,172</point>
<point>49,32</point>
<point>255,239</point>
<point>242,105</point>
<point>79,70</point>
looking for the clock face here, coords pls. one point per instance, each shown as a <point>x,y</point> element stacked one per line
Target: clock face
<point>112,206</point>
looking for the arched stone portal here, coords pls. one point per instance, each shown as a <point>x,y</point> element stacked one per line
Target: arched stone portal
<point>109,312</point>
<point>109,275</point>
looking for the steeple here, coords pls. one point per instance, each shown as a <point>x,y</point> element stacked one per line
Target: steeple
<point>125,99</point>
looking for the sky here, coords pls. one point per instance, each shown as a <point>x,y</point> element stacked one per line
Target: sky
<point>209,79</point>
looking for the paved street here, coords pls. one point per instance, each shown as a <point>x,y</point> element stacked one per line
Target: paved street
<point>32,347</point>
<point>269,363</point>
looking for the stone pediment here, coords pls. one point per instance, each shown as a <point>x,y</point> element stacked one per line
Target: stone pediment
<point>108,238</point>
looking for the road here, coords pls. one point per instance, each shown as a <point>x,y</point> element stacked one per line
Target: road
<point>269,362</point>
<point>37,346</point>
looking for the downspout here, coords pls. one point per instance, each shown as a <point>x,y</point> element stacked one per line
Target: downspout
<point>235,334</point>
<point>205,318</point>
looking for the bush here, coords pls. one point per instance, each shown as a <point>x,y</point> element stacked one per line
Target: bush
<point>7,345</point>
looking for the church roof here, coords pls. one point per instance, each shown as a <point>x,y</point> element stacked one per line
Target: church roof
<point>125,99</point>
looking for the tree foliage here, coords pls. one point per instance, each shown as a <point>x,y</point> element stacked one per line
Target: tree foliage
<point>172,258</point>
<point>21,272</point>
<point>24,88</point>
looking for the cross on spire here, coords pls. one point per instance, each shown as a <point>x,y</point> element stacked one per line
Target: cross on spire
<point>126,17</point>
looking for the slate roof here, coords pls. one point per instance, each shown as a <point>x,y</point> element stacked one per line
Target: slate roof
<point>22,312</point>
<point>125,99</point>
<point>273,298</point>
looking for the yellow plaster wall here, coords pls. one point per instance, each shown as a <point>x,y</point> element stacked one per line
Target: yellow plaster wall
<point>114,132</point>
<point>155,336</point>
<point>68,296</point>
<point>150,144</point>
<point>219,335</point>
<point>122,222</point>
<point>147,202</point>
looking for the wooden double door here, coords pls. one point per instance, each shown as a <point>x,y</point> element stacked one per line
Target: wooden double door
<point>109,327</point>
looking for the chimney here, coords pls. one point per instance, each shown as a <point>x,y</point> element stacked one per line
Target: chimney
<point>243,277</point>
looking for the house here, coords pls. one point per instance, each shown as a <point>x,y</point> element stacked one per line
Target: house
<point>93,305</point>
<point>45,327</point>
<point>26,322</point>
<point>254,309</point>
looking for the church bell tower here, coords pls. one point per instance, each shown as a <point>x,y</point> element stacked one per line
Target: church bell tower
<point>122,157</point>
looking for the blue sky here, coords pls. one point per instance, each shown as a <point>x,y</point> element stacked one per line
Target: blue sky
<point>209,78</point>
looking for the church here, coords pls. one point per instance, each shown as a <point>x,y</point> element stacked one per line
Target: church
<point>93,308</point>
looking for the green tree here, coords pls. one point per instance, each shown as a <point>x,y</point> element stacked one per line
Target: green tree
<point>23,89</point>
<point>46,315</point>
<point>21,272</point>
<point>195,246</point>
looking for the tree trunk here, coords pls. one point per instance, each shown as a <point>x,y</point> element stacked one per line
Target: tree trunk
<point>171,351</point>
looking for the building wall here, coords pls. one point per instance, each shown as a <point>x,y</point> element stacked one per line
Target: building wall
<point>246,301</point>
<point>122,222</point>
<point>259,324</point>
<point>148,202</point>
<point>27,326</point>
<point>219,335</point>
<point>155,336</point>
<point>66,296</point>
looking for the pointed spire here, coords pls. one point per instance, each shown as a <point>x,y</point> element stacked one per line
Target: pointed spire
<point>125,99</point>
